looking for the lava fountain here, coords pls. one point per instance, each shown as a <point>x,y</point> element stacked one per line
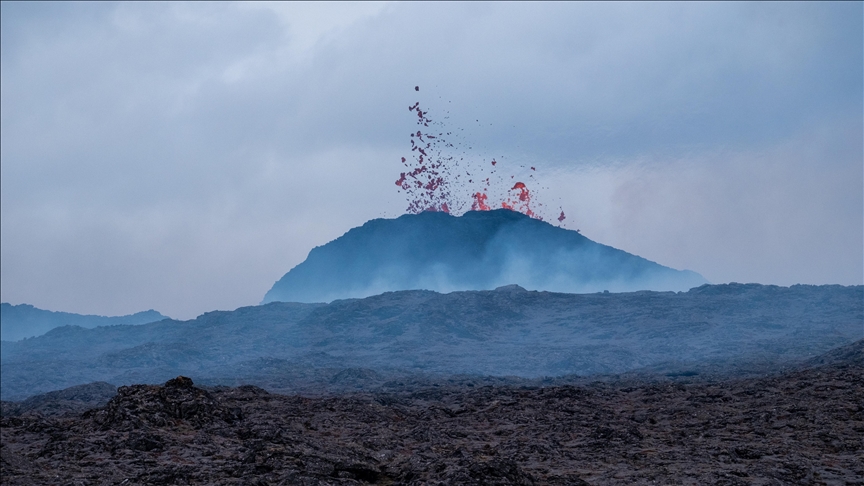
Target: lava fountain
<point>435,180</point>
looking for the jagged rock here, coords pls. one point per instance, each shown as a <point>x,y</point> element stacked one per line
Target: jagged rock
<point>178,401</point>
<point>71,400</point>
<point>800,427</point>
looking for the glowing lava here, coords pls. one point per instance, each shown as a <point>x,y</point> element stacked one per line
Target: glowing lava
<point>479,203</point>
<point>426,183</point>
<point>523,191</point>
<point>433,179</point>
<point>523,202</point>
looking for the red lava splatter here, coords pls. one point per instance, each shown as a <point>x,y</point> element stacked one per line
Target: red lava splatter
<point>427,180</point>
<point>523,191</point>
<point>432,179</point>
<point>523,202</point>
<point>480,202</point>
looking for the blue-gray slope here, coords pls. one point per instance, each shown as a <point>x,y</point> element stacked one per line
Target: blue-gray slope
<point>504,332</point>
<point>23,320</point>
<point>477,251</point>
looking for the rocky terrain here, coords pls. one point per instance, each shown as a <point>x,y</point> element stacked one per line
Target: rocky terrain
<point>71,400</point>
<point>415,336</point>
<point>480,250</point>
<point>804,426</point>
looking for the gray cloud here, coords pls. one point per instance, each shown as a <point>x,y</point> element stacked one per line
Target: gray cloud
<point>184,156</point>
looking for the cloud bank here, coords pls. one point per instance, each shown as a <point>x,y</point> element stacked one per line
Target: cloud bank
<point>182,157</point>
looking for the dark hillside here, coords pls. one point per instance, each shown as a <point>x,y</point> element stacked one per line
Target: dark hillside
<point>509,332</point>
<point>23,320</point>
<point>480,250</point>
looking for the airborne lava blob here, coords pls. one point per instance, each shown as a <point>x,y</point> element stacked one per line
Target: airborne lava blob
<point>434,176</point>
<point>523,202</point>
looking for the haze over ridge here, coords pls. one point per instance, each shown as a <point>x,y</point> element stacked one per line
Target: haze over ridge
<point>712,329</point>
<point>24,320</point>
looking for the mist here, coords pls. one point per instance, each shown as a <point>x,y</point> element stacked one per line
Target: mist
<point>479,250</point>
<point>183,157</point>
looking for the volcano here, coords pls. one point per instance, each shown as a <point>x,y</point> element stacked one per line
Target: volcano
<point>480,250</point>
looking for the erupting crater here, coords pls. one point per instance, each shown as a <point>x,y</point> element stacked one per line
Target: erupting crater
<point>468,227</point>
<point>436,180</point>
<point>479,250</point>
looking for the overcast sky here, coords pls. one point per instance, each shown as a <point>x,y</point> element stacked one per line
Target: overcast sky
<point>183,157</point>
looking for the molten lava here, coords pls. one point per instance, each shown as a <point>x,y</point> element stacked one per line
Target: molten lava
<point>523,202</point>
<point>426,182</point>
<point>523,191</point>
<point>479,203</point>
<point>433,179</point>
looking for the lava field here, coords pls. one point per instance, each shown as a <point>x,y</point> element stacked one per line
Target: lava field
<point>803,426</point>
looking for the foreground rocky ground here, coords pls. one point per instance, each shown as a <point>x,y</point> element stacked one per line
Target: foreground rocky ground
<point>799,427</point>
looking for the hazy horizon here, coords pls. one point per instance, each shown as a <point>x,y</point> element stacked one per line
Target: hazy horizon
<point>182,157</point>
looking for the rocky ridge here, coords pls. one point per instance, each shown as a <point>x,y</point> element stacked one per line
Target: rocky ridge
<point>418,336</point>
<point>23,320</point>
